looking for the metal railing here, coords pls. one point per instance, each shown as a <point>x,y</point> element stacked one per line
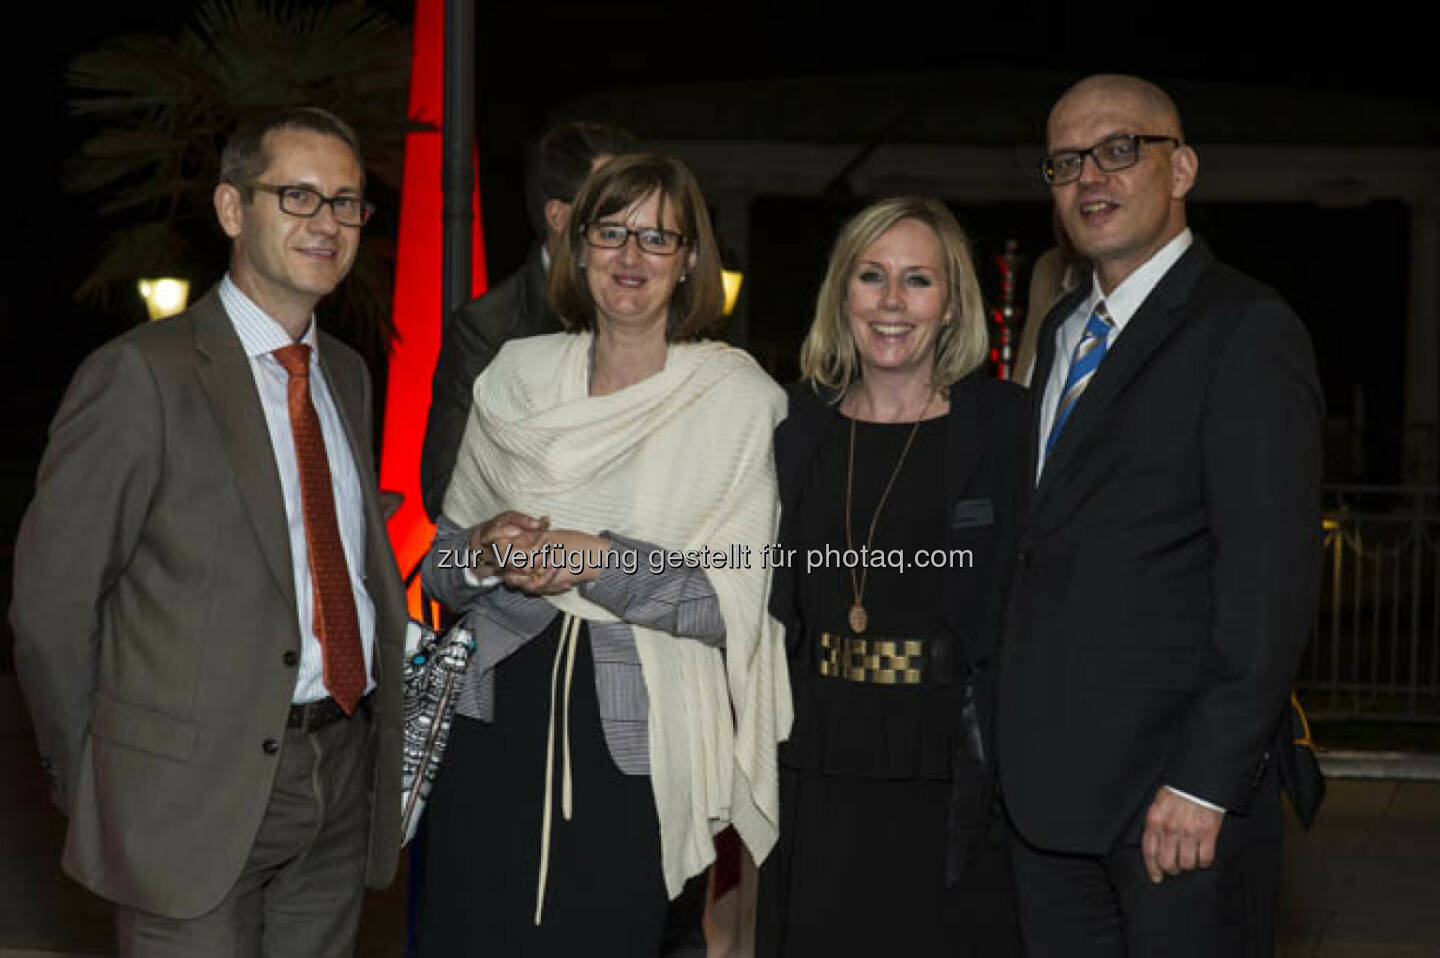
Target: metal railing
<point>1374,653</point>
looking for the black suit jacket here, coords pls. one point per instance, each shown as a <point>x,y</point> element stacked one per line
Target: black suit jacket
<point>1165,578</point>
<point>982,473</point>
<point>513,309</point>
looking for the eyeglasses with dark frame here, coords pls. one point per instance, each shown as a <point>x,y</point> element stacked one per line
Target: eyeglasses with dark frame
<point>306,201</point>
<point>652,239</point>
<point>1112,154</point>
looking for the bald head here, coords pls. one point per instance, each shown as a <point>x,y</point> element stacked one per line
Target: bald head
<point>1141,100</point>
<point>1126,197</point>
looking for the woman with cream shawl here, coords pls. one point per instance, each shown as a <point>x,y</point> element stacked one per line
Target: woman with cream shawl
<point>603,536</point>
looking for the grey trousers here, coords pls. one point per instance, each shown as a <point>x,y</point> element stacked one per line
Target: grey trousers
<point>300,891</point>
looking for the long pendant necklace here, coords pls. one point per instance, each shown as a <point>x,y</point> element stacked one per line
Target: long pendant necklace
<point>859,618</point>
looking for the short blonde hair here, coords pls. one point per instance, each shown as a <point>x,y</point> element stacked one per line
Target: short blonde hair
<point>828,358</point>
<point>695,305</point>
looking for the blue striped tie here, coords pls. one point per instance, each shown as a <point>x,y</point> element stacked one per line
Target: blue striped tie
<point>1088,353</point>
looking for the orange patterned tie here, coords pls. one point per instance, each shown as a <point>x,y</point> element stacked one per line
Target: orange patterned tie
<point>334,603</point>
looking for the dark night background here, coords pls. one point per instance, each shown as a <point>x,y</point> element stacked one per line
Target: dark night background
<point>534,56</point>
<point>1345,270</point>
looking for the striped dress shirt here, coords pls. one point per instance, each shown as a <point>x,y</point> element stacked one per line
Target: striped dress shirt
<point>260,336</point>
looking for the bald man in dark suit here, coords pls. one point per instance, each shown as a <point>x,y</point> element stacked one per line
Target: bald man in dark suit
<point>1166,574</point>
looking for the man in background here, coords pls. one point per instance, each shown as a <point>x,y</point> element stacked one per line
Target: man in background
<point>516,307</point>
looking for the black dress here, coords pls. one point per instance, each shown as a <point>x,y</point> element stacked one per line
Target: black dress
<point>604,894</point>
<point>869,775</point>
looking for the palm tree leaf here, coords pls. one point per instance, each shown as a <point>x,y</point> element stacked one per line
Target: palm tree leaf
<point>144,249</point>
<point>164,106</point>
<point>165,195</point>
<point>115,143</point>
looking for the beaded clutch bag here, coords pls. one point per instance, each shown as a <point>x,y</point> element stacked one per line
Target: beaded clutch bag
<point>434,669</point>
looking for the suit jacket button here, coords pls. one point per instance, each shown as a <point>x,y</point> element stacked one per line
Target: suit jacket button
<point>1023,557</point>
<point>290,658</point>
<point>270,746</point>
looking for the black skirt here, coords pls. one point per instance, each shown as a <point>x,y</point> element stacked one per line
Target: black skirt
<point>605,892</point>
<point>860,871</point>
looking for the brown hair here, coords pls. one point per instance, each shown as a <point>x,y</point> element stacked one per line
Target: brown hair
<point>559,166</point>
<point>245,158</point>
<point>828,358</point>
<point>696,304</point>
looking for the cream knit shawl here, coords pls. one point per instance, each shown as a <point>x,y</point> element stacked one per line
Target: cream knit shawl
<point>682,459</point>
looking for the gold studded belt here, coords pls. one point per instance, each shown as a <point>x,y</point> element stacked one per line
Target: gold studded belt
<point>874,660</point>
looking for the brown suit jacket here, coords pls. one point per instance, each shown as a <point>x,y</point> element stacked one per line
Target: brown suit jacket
<point>154,606</point>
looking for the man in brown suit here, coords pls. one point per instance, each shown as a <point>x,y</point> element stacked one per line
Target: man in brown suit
<point>208,618</point>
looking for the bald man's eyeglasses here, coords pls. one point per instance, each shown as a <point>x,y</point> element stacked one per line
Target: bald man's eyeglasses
<point>1111,155</point>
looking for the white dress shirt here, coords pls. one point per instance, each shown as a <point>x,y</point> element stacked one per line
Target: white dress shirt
<point>260,336</point>
<point>1122,303</point>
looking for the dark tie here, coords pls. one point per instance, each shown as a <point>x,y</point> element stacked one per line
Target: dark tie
<point>1086,359</point>
<point>334,603</point>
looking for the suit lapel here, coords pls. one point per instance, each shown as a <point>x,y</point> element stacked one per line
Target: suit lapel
<point>224,373</point>
<point>348,392</point>
<point>964,448</point>
<point>808,418</point>
<point>345,391</point>
<point>1158,317</point>
<point>1040,375</point>
<point>963,440</point>
<point>536,315</point>
<point>348,395</point>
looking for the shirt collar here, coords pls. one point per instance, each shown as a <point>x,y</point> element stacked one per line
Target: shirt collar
<point>259,332</point>
<point>1125,299</point>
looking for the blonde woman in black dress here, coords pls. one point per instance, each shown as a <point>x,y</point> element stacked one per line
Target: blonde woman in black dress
<point>896,469</point>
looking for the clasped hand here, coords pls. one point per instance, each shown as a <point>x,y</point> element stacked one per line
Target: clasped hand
<point>530,556</point>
